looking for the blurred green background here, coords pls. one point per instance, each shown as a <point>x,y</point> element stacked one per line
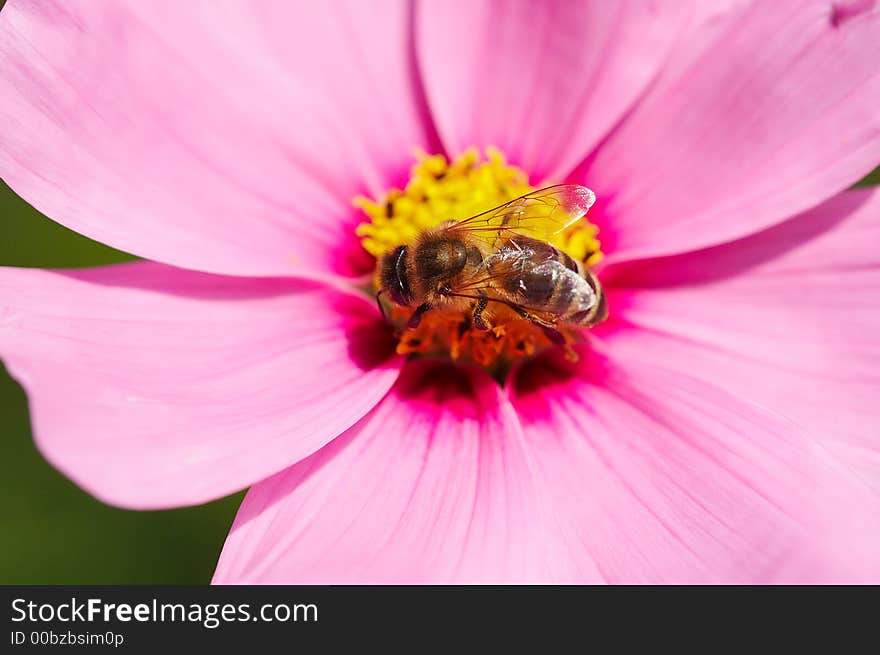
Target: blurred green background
<point>51,532</point>
<point>54,533</point>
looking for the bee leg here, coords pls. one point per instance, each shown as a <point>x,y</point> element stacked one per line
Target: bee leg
<point>479,321</point>
<point>522,313</point>
<point>416,317</point>
<point>548,328</point>
<point>537,320</point>
<point>554,335</point>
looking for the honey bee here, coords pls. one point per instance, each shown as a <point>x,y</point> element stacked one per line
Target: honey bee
<point>500,257</point>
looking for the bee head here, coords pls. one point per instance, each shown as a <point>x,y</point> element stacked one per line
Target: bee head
<point>394,276</point>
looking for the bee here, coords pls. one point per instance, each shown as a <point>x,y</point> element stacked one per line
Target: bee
<point>500,257</point>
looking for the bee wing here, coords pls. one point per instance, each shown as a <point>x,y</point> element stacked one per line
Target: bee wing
<point>491,287</point>
<point>539,214</point>
<point>495,270</point>
<point>492,279</point>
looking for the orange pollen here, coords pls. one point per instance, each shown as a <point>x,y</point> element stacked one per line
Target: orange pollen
<point>448,333</point>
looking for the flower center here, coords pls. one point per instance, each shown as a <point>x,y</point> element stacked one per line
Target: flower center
<point>439,191</point>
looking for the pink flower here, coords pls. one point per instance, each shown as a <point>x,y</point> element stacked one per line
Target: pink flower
<point>722,426</point>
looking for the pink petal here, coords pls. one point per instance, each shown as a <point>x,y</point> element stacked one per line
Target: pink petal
<point>542,81</point>
<point>227,137</point>
<point>653,476</point>
<point>151,386</point>
<point>788,317</point>
<point>432,486</point>
<point>624,474</point>
<point>772,113</point>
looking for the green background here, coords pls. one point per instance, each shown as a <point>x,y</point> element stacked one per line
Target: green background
<point>51,532</point>
<point>54,533</point>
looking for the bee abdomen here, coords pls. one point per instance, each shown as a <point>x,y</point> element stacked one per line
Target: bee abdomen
<point>569,293</point>
<point>569,262</point>
<point>534,286</point>
<point>598,311</point>
<point>546,277</point>
<point>575,297</point>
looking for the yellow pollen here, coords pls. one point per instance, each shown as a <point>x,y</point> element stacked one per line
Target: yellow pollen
<point>439,190</point>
